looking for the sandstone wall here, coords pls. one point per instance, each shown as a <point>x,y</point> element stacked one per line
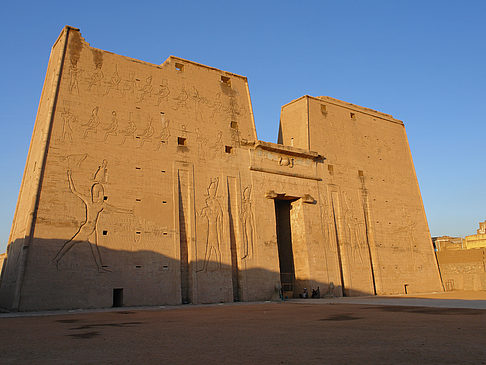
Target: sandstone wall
<point>150,181</point>
<point>370,189</point>
<point>463,269</point>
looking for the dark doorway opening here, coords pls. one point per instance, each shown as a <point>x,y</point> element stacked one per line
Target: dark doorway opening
<point>118,297</point>
<point>284,243</point>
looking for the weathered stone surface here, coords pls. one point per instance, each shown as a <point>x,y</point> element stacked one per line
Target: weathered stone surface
<point>463,269</point>
<point>147,184</point>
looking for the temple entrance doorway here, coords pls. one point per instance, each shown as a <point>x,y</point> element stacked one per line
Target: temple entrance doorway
<point>284,243</point>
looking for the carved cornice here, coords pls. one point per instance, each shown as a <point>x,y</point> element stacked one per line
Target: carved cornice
<point>288,150</point>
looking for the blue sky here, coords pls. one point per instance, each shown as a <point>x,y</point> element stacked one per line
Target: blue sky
<point>421,61</point>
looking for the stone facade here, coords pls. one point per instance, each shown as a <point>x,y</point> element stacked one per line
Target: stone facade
<point>447,243</point>
<point>463,269</point>
<point>147,185</point>
<point>462,261</point>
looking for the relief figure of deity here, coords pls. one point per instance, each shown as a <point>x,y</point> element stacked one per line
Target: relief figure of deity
<point>213,214</point>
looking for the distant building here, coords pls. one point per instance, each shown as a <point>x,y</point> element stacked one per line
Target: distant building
<point>462,261</point>
<point>447,243</point>
<point>477,240</point>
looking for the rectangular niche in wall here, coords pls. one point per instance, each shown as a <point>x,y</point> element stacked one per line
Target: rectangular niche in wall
<point>118,297</point>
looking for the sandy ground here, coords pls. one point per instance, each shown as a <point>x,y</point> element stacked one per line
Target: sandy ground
<point>462,295</point>
<point>295,332</point>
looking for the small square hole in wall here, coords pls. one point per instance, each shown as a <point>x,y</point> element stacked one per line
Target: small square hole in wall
<point>330,168</point>
<point>234,124</point>
<point>138,200</point>
<point>323,109</point>
<point>228,149</point>
<point>105,233</point>
<point>105,198</point>
<point>179,67</point>
<point>138,232</point>
<point>226,80</point>
<point>360,173</point>
<point>181,141</point>
<point>164,201</point>
<point>352,116</point>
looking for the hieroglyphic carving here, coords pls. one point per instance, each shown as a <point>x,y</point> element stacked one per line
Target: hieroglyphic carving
<point>147,134</point>
<point>202,143</point>
<point>101,174</point>
<point>218,146</point>
<point>327,220</point>
<point>353,232</point>
<point>67,130</point>
<point>247,223</point>
<point>213,214</point>
<point>114,84</point>
<point>146,90</point>
<point>198,102</point>
<point>112,129</point>
<point>216,105</point>
<point>180,99</point>
<point>88,230</point>
<point>164,135</point>
<point>73,76</point>
<point>162,93</point>
<point>93,123</point>
<point>75,160</point>
<point>286,161</point>
<point>128,85</point>
<point>95,80</point>
<point>129,132</point>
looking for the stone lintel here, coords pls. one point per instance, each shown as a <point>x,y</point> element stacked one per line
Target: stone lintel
<point>288,150</point>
